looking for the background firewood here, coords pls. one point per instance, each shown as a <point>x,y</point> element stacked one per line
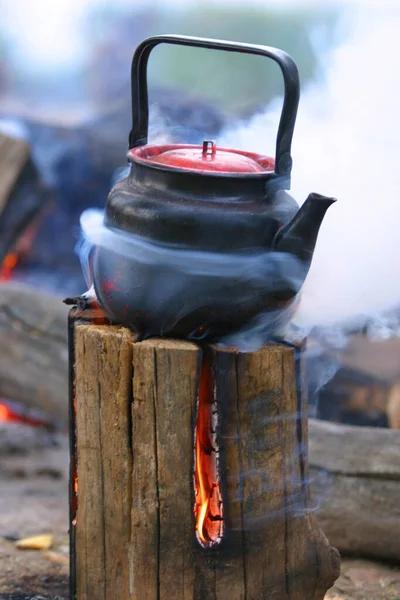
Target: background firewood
<point>14,155</point>
<point>23,196</point>
<point>33,349</point>
<point>356,483</point>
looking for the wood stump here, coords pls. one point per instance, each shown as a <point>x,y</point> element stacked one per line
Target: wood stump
<point>133,531</point>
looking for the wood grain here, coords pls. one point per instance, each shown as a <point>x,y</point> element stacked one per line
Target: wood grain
<point>165,387</point>
<point>272,547</point>
<point>104,461</point>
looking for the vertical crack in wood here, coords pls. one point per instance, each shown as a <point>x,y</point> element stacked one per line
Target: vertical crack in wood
<point>284,482</point>
<point>155,395</point>
<point>240,483</point>
<point>218,463</point>
<point>130,442</point>
<point>302,425</point>
<point>299,423</point>
<point>132,456</point>
<point>85,530</point>
<point>208,507</point>
<point>101,433</point>
<point>73,466</point>
<point>129,408</point>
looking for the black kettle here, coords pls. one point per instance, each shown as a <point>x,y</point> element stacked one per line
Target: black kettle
<point>198,240</point>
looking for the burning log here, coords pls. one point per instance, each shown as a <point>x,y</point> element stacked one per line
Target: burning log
<point>356,478</point>
<point>23,198</point>
<point>191,478</point>
<point>33,349</point>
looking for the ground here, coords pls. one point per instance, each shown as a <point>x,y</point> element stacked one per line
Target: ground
<point>365,580</point>
<point>34,501</point>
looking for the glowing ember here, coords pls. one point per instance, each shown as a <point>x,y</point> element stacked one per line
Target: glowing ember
<point>208,500</point>
<point>16,416</point>
<point>74,495</point>
<point>4,413</point>
<point>8,265</point>
<point>21,249</point>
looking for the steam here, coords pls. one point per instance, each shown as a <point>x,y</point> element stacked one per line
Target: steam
<point>169,283</point>
<point>346,145</point>
<point>291,497</point>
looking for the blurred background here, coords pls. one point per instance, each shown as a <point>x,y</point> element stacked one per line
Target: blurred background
<point>65,119</point>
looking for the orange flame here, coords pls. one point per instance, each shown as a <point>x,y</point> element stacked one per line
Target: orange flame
<point>208,501</point>
<point>74,495</point>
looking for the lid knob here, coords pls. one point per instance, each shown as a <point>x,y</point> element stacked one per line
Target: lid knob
<point>209,147</point>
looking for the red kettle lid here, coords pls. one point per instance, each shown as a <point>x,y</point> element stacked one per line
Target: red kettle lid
<point>205,159</point>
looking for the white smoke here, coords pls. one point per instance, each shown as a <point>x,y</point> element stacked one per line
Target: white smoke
<point>346,145</point>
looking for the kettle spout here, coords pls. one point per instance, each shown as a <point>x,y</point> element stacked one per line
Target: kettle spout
<point>299,236</point>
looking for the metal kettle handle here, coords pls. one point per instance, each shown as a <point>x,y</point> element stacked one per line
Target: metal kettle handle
<point>140,106</point>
